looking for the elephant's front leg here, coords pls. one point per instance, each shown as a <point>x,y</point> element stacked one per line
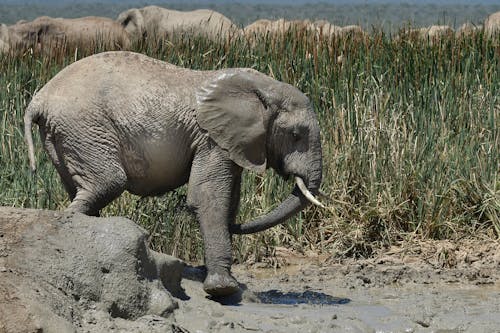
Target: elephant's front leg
<point>214,192</point>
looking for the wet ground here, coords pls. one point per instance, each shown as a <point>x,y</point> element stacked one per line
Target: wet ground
<point>430,287</point>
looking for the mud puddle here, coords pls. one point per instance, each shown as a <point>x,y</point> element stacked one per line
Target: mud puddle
<point>294,298</point>
<point>387,293</point>
<point>409,308</point>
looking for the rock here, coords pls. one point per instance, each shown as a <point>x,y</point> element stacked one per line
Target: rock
<point>59,270</point>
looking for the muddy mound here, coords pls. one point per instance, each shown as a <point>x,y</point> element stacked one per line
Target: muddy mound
<point>73,273</point>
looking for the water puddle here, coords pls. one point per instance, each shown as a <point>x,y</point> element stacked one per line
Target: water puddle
<point>293,298</point>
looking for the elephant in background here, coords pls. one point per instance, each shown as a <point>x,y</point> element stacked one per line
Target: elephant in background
<point>436,32</point>
<point>432,34</point>
<point>84,32</point>
<point>259,27</point>
<point>120,121</point>
<point>468,29</point>
<point>330,30</point>
<point>492,25</point>
<point>326,29</point>
<point>319,27</point>
<point>154,21</point>
<point>280,26</point>
<point>352,31</point>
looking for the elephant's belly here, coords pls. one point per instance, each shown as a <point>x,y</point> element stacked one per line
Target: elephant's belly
<point>156,168</point>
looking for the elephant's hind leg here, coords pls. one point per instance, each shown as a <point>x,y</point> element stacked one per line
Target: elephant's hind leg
<point>97,175</point>
<point>57,158</point>
<point>92,196</point>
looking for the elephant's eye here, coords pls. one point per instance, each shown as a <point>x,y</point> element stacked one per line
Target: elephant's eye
<point>295,134</point>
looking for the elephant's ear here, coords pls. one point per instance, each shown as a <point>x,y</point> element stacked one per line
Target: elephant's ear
<point>132,21</point>
<point>231,109</point>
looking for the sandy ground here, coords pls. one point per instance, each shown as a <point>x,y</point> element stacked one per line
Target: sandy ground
<point>423,287</point>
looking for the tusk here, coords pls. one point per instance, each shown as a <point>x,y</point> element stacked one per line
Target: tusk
<point>306,193</point>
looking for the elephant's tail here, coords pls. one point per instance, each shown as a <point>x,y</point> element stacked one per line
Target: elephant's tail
<point>28,122</point>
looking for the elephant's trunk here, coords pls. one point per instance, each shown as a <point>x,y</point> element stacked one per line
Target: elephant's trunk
<point>294,203</point>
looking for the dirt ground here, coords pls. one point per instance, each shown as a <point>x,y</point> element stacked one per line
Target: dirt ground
<point>432,286</point>
<point>78,274</point>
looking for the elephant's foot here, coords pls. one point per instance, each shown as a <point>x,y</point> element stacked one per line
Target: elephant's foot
<point>220,284</point>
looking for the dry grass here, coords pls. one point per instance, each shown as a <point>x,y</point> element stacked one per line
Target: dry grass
<point>410,135</point>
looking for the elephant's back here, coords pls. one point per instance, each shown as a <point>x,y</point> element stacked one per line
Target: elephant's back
<point>112,63</point>
<point>109,85</point>
<point>97,28</point>
<point>200,21</point>
<point>95,77</point>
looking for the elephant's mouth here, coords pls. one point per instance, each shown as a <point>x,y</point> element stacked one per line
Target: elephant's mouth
<point>280,170</point>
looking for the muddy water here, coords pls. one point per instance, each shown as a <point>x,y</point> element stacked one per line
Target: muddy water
<point>412,309</point>
<point>365,297</point>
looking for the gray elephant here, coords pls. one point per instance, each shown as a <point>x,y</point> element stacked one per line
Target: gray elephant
<point>154,21</point>
<point>121,121</point>
<point>468,29</point>
<point>492,25</point>
<point>80,32</point>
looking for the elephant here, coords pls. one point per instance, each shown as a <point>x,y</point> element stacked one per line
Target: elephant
<point>320,27</point>
<point>120,121</point>
<point>259,27</point>
<point>467,29</point>
<point>350,31</point>
<point>492,25</point>
<point>436,31</point>
<point>431,34</point>
<point>281,26</point>
<point>48,32</point>
<point>154,21</point>
<point>325,28</point>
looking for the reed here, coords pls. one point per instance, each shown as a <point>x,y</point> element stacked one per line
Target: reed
<point>410,135</point>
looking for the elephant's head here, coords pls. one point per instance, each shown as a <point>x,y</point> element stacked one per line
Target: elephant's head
<point>265,123</point>
<point>132,21</point>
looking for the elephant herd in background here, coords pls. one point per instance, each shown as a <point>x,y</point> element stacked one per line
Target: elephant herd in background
<point>134,24</point>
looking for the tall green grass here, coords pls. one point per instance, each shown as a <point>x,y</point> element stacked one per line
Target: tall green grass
<point>410,137</point>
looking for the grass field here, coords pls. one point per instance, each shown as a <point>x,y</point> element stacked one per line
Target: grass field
<point>410,134</point>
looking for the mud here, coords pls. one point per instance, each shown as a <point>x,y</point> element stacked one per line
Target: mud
<point>62,273</point>
<point>422,287</point>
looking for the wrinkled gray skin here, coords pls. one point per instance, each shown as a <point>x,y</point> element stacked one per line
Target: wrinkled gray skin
<point>121,121</point>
